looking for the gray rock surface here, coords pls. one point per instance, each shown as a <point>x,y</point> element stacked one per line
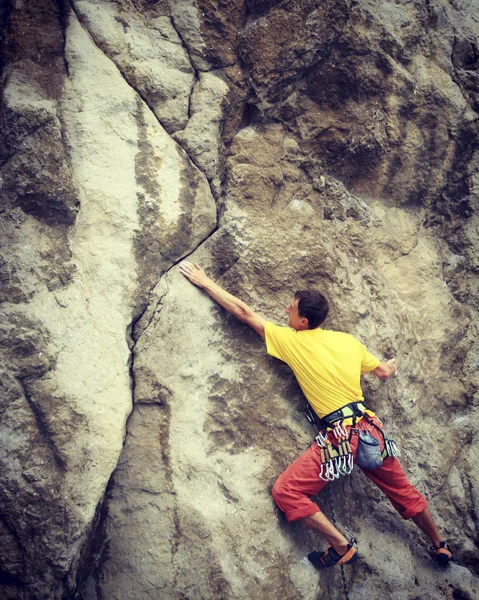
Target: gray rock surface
<point>282,145</point>
<point>148,51</point>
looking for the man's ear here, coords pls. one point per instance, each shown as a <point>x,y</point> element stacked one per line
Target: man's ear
<point>304,323</point>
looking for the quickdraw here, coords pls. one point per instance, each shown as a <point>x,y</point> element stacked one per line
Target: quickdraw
<point>335,462</point>
<point>345,461</point>
<point>329,470</point>
<point>391,448</point>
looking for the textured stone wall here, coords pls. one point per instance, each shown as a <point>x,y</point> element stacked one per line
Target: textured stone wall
<point>282,145</point>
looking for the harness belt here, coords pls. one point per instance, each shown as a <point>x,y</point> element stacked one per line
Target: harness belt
<point>337,459</point>
<point>352,411</point>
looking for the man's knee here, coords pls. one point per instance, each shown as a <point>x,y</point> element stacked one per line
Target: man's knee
<point>295,504</point>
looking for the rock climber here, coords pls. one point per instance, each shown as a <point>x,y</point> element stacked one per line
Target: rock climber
<point>328,366</point>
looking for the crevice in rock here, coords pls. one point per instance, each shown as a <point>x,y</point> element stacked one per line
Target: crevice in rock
<point>42,426</point>
<point>250,116</point>
<point>97,539</point>
<point>160,300</point>
<point>195,70</point>
<point>63,12</point>
<point>142,96</point>
<point>103,504</point>
<point>280,185</point>
<point>5,10</point>
<point>135,338</point>
<point>96,549</point>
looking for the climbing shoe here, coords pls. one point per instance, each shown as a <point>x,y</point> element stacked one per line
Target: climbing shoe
<point>330,558</point>
<point>443,555</point>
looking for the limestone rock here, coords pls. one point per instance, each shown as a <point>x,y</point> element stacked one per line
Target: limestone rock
<point>35,171</point>
<point>209,30</point>
<point>142,427</point>
<point>143,206</point>
<point>201,138</point>
<point>148,51</point>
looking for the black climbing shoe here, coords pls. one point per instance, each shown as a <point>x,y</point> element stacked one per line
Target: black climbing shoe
<point>330,558</point>
<point>443,555</point>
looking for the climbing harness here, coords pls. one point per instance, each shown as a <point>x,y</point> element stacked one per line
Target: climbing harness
<point>336,456</point>
<point>311,416</point>
<point>347,414</point>
<point>337,459</point>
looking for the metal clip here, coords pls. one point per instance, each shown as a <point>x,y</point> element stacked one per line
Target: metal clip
<point>392,449</point>
<point>335,463</point>
<point>395,450</point>
<point>323,472</point>
<point>340,431</point>
<point>332,470</point>
<point>322,440</point>
<point>350,464</point>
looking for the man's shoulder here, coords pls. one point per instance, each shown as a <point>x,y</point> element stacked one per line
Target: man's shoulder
<point>279,340</point>
<point>281,329</point>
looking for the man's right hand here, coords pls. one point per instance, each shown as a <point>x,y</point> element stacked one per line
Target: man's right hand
<point>385,370</point>
<point>392,364</point>
<point>195,274</point>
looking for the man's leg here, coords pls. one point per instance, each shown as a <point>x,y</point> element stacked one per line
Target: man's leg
<point>296,485</point>
<point>292,493</point>
<point>426,523</point>
<point>391,479</point>
<point>410,504</point>
<point>319,522</point>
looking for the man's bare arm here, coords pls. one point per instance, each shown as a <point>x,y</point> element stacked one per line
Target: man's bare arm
<point>234,305</point>
<point>385,370</point>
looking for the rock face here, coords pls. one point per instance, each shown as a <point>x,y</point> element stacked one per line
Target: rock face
<point>283,145</point>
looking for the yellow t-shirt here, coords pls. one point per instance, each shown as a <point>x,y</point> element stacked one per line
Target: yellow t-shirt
<point>327,364</point>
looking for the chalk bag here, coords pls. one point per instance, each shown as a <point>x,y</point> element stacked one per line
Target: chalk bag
<point>369,451</point>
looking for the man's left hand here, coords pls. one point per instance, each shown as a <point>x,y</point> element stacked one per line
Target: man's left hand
<point>195,274</point>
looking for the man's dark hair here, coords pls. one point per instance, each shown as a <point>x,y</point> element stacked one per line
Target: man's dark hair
<point>313,306</point>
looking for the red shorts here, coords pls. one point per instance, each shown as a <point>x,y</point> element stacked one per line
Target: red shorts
<point>294,487</point>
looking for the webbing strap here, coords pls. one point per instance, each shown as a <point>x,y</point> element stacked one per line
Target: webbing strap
<point>349,411</point>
